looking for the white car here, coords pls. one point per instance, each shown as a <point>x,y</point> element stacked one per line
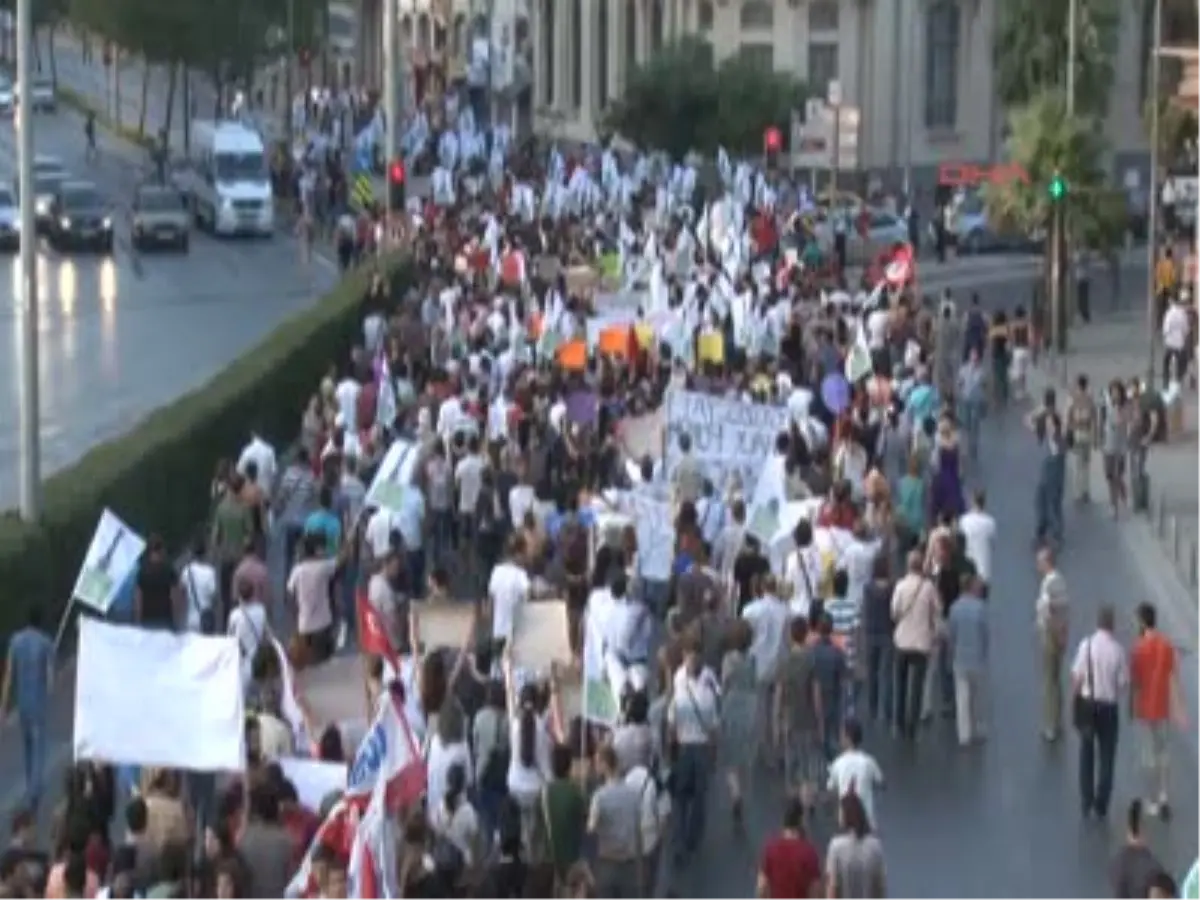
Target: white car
<point>10,221</point>
<point>42,97</point>
<point>8,97</point>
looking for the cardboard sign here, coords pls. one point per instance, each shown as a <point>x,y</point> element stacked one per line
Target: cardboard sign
<point>540,636</point>
<point>445,624</point>
<point>728,436</point>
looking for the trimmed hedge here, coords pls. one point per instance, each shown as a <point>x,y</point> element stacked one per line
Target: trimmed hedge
<point>157,476</point>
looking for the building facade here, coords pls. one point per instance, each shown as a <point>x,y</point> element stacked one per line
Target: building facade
<point>919,71</point>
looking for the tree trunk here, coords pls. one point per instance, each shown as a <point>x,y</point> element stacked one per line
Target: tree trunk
<point>116,76</point>
<point>53,26</point>
<point>145,99</point>
<point>171,79</point>
<point>37,48</point>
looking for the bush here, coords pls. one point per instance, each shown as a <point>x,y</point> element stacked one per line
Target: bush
<point>157,476</point>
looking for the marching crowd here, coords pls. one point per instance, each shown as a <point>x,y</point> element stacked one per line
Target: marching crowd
<point>748,656</point>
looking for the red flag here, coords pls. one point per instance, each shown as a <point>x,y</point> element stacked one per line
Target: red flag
<point>372,635</point>
<point>902,268</point>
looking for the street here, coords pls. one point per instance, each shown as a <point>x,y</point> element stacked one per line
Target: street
<point>124,335</point>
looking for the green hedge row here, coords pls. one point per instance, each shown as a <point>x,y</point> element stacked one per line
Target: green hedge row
<point>157,476</point>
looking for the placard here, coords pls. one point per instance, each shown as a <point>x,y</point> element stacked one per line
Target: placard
<point>540,636</point>
<point>394,476</point>
<point>728,436</point>
<point>652,518</point>
<point>443,624</point>
<point>111,557</point>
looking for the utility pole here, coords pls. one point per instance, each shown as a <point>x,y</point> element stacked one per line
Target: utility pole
<point>31,476</point>
<point>1152,208</point>
<point>393,92</point>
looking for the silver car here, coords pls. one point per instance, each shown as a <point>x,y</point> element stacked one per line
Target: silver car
<point>10,221</point>
<point>8,98</point>
<point>45,188</point>
<point>160,218</point>
<point>42,96</point>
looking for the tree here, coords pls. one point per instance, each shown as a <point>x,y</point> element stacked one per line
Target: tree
<point>1031,51</point>
<point>678,102</point>
<point>1043,141</point>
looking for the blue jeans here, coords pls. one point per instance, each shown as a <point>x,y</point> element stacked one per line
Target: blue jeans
<point>441,535</point>
<point>33,741</point>
<point>971,412</point>
<point>880,677</point>
<point>656,594</point>
<point>1049,499</point>
<point>690,774</point>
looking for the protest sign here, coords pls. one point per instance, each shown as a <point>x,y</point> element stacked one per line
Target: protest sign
<point>652,518</point>
<point>540,636</point>
<point>313,779</point>
<point>188,685</point>
<point>111,557</point>
<point>598,705</point>
<point>728,436</point>
<point>445,624</point>
<point>394,476</point>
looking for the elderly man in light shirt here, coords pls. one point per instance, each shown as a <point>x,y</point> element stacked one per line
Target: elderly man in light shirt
<point>1051,614</point>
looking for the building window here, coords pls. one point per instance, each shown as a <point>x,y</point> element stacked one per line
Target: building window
<point>757,15</point>
<point>822,16</point>
<point>942,38</point>
<point>760,55</point>
<point>577,54</point>
<point>657,26</point>
<point>602,52</point>
<point>705,15</point>
<point>822,68</point>
<point>547,51</point>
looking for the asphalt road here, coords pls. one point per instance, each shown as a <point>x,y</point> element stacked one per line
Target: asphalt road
<point>122,335</point>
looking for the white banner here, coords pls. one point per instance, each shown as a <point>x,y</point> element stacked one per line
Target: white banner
<point>111,557</point>
<point>394,476</point>
<point>314,780</point>
<point>727,436</point>
<point>155,698</point>
<point>655,533</point>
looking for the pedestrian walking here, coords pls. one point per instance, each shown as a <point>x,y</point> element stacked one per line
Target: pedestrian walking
<point>29,677</point>
<point>917,616</point>
<point>789,865</point>
<point>967,644</point>
<point>1099,678</point>
<point>1081,434</point>
<point>1156,703</point>
<point>1051,613</point>
<point>854,863</point>
<point>1134,867</point>
<point>694,719</point>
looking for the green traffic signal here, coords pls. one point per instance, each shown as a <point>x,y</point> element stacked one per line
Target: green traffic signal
<point>1058,187</point>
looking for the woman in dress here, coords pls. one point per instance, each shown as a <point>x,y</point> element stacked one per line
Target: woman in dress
<point>946,490</point>
<point>1115,444</point>
<point>739,713</point>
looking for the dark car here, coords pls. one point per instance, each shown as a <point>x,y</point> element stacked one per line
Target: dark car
<point>80,218</point>
<point>160,218</point>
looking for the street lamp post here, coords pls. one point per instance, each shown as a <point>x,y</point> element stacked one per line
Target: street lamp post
<point>1152,208</point>
<point>30,468</point>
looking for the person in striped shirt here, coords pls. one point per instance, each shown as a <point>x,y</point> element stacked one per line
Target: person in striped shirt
<point>845,616</point>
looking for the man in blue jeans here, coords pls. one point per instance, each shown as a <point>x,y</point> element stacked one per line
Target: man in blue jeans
<point>30,672</point>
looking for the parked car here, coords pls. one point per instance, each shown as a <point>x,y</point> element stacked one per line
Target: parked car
<point>42,96</point>
<point>10,221</point>
<point>45,187</point>
<point>7,96</point>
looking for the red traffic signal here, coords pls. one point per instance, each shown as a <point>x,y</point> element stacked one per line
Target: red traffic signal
<point>396,173</point>
<point>772,140</point>
<point>305,56</point>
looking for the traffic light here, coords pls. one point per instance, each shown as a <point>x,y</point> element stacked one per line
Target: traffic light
<point>304,55</point>
<point>396,185</point>
<point>1057,187</point>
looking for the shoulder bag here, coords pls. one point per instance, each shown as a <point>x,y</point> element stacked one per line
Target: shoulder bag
<point>1083,709</point>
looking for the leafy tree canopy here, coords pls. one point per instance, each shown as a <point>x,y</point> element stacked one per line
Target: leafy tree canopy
<point>1031,50</point>
<point>678,102</point>
<point>1044,141</point>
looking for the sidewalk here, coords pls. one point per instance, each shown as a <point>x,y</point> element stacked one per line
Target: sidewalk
<point>1116,347</point>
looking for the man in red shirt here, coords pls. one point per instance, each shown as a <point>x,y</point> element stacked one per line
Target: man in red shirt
<point>790,865</point>
<point>1156,699</point>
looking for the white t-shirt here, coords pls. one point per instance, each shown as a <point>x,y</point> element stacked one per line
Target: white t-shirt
<point>439,758</point>
<point>468,475</point>
<point>858,770</point>
<point>200,588</point>
<point>768,617</point>
<point>461,828</point>
<point>858,559</point>
<point>527,781</point>
<point>262,455</point>
<point>248,625</point>
<point>450,413</point>
<point>520,501</point>
<point>379,532</point>
<point>799,564</point>
<point>979,529</point>
<point>1175,328</point>
<point>508,588</point>
<point>346,394</point>
<point>877,323</point>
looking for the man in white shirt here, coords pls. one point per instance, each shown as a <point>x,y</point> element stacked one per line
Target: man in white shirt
<point>855,770</point>
<point>199,580</point>
<point>1099,678</point>
<point>468,482</point>
<point>450,414</point>
<point>508,588</point>
<point>979,529</point>
<point>1176,334</point>
<point>802,571</point>
<point>1051,615</point>
<point>346,395</point>
<point>768,617</point>
<point>262,454</point>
